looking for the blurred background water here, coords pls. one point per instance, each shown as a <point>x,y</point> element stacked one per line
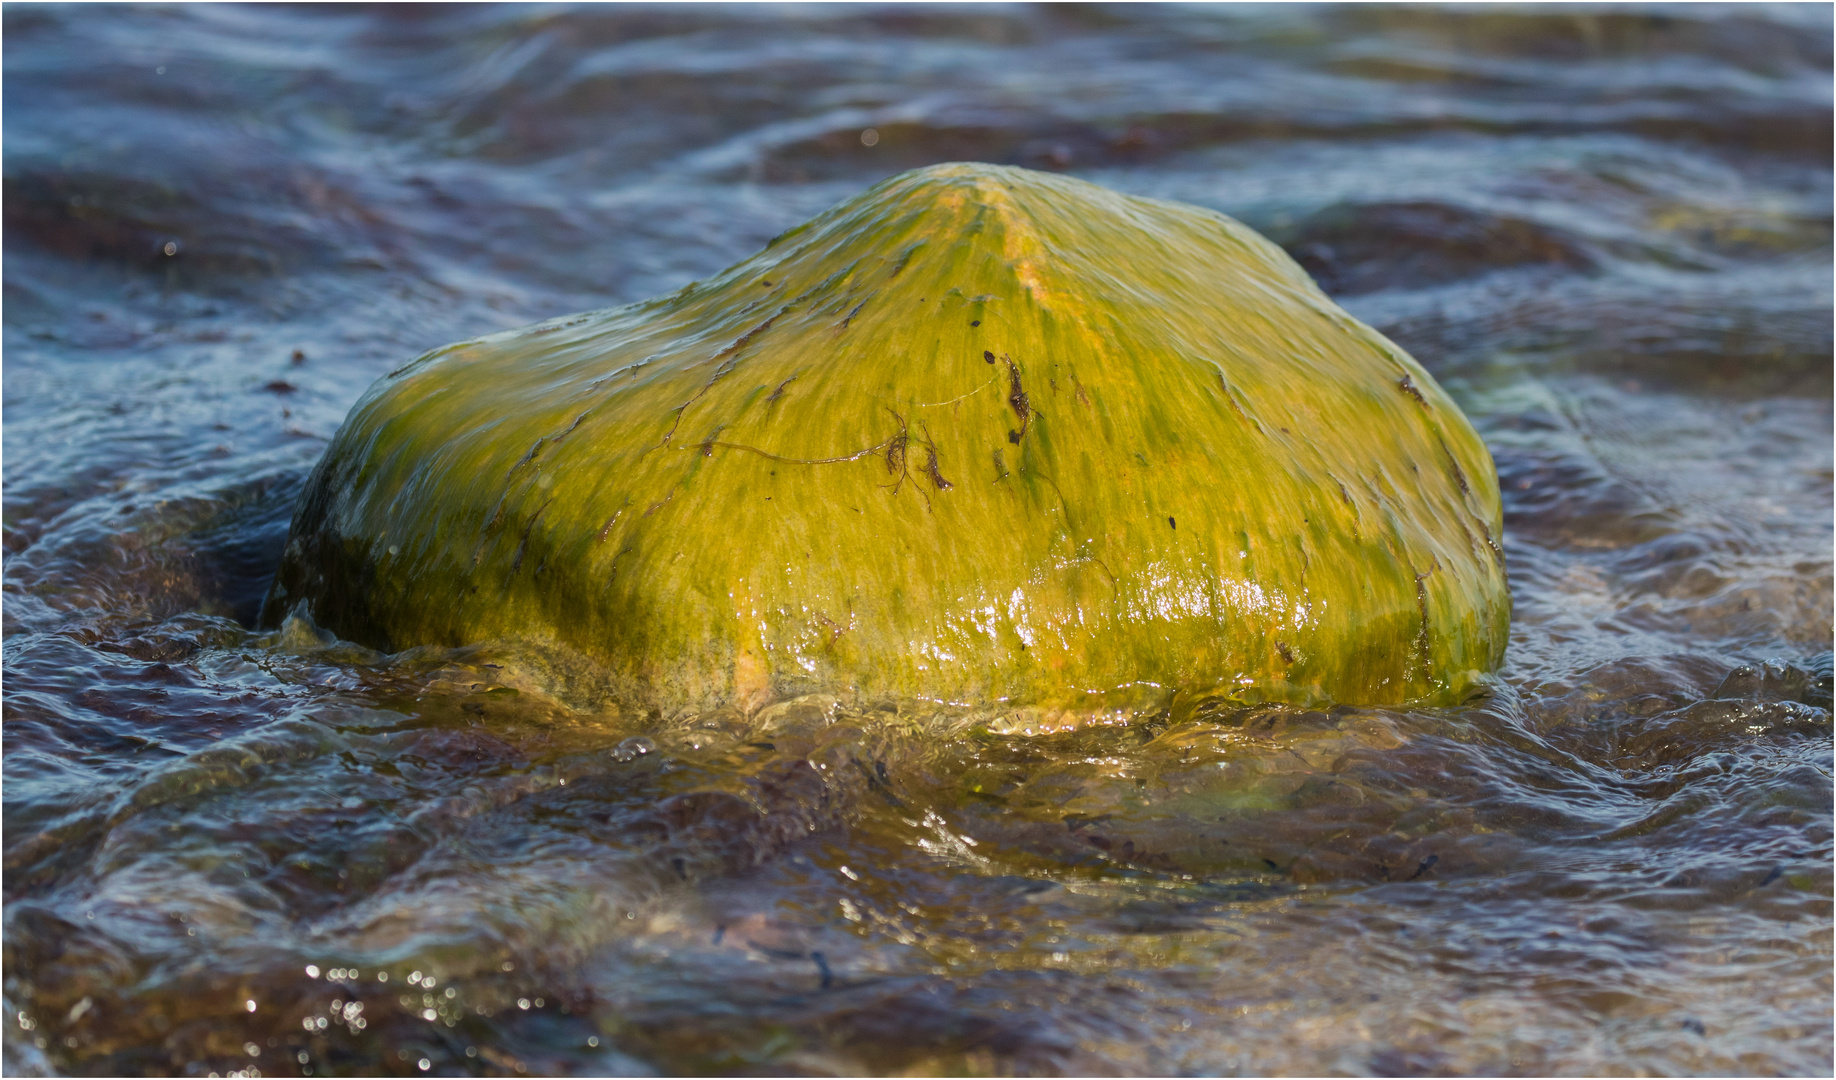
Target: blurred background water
<point>1606,230</point>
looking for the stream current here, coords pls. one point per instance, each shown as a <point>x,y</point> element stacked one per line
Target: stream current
<point>236,849</point>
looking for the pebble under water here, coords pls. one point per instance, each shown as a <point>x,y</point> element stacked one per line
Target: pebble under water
<point>241,850</point>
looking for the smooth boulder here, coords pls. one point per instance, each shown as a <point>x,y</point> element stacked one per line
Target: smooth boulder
<point>980,435</point>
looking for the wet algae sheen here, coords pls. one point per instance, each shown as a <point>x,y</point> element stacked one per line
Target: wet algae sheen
<point>977,434</point>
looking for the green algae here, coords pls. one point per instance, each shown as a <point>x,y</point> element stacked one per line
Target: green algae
<point>979,435</point>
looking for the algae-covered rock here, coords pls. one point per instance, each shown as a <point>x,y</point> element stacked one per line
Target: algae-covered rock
<point>977,435</point>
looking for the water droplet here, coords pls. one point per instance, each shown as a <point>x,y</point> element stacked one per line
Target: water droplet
<point>632,749</point>
<point>869,137</point>
<point>312,971</point>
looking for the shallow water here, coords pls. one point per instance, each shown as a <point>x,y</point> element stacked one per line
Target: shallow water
<point>1607,233</point>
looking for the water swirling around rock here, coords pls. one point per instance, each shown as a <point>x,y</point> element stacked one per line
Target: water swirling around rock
<point>1606,234</point>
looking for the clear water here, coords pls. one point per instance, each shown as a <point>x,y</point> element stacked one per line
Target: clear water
<point>1608,232</point>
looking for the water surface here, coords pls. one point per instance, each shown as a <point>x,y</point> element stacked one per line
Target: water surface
<point>230,848</point>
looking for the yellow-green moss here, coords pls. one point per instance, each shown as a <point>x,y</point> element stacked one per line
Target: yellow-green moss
<point>978,435</point>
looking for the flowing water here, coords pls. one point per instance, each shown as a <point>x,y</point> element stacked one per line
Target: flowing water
<point>230,848</point>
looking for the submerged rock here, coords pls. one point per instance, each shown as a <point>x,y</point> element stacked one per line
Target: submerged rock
<point>978,435</point>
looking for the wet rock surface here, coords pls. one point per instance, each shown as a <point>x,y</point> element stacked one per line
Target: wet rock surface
<point>738,491</point>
